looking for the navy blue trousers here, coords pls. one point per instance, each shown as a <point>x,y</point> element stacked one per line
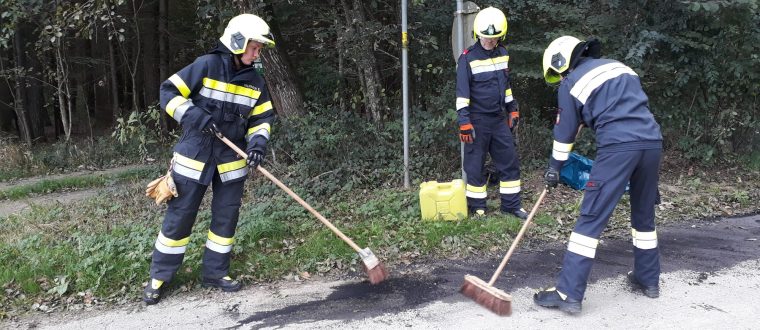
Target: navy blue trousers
<point>178,223</point>
<point>492,136</point>
<point>609,176</point>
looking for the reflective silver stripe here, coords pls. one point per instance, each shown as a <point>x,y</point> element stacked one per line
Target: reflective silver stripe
<point>214,246</point>
<point>186,171</point>
<point>228,97</point>
<point>170,250</point>
<point>561,151</point>
<point>462,102</point>
<point>473,194</point>
<point>645,240</point>
<point>582,245</point>
<point>508,99</point>
<point>596,77</point>
<point>559,155</point>
<point>263,132</point>
<point>509,187</point>
<point>179,112</point>
<point>236,174</point>
<point>510,190</point>
<point>491,64</point>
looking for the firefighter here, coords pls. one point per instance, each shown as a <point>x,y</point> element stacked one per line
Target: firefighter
<point>219,91</point>
<point>488,114</point>
<point>606,96</point>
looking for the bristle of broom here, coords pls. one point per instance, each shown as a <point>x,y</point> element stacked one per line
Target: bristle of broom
<point>487,296</point>
<point>376,274</point>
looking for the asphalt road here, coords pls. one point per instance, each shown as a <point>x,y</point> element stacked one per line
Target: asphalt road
<point>710,280</point>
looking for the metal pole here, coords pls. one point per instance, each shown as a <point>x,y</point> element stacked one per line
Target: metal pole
<point>405,89</point>
<point>460,44</point>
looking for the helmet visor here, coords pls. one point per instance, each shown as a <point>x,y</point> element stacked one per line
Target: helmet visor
<point>491,30</point>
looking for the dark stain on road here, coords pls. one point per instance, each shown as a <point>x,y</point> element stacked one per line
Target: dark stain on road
<point>704,246</point>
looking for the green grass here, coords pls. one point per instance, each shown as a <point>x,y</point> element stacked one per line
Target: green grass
<point>104,245</point>
<point>47,186</point>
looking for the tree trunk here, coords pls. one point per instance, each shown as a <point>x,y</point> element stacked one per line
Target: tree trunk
<point>163,55</point>
<point>286,95</point>
<point>22,119</point>
<point>136,53</point>
<point>364,59</point>
<point>114,83</point>
<point>150,75</point>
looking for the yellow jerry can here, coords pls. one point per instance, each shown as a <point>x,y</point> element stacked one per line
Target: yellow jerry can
<point>443,200</point>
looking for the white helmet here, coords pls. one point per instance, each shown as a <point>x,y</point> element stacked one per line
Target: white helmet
<point>246,27</point>
<point>564,53</point>
<point>557,58</point>
<point>490,23</point>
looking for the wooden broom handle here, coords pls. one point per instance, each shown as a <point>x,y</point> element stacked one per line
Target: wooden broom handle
<point>517,238</point>
<point>292,194</point>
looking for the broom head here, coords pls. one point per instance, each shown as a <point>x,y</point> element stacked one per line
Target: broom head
<point>373,267</point>
<point>487,296</point>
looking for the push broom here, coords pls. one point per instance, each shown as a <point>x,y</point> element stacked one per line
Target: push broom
<point>375,269</point>
<point>486,294</point>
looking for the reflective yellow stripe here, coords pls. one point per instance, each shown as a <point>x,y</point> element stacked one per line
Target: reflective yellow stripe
<point>231,88</point>
<point>180,84</point>
<point>173,104</point>
<point>489,61</point>
<point>258,127</point>
<point>509,184</point>
<point>462,102</point>
<point>508,92</point>
<point>219,239</point>
<point>188,162</point>
<point>231,166</point>
<point>259,109</point>
<point>562,147</point>
<point>476,188</point>
<point>171,242</point>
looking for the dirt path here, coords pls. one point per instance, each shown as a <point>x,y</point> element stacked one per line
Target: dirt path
<point>711,278</point>
<point>8,207</point>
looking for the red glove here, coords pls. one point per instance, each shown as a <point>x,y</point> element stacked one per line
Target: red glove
<point>466,133</point>
<point>514,118</point>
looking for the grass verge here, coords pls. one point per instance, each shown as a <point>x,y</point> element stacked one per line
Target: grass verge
<point>46,186</point>
<point>98,251</point>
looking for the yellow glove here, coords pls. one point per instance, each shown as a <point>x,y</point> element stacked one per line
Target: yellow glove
<point>162,189</point>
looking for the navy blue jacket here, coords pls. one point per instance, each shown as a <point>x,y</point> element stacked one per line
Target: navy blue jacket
<point>483,83</point>
<point>236,100</point>
<point>606,96</point>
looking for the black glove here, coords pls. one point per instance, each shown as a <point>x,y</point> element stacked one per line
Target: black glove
<point>551,177</point>
<point>255,158</point>
<point>210,128</point>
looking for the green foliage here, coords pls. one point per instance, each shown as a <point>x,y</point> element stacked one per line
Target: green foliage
<point>142,130</point>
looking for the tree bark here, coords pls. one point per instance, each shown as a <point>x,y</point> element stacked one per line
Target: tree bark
<point>22,119</point>
<point>114,83</point>
<point>285,92</point>
<point>163,55</point>
<point>364,58</point>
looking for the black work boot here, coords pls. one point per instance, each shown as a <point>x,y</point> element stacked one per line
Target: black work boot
<point>649,291</point>
<point>153,291</point>
<point>552,298</point>
<point>227,284</point>
<point>520,213</point>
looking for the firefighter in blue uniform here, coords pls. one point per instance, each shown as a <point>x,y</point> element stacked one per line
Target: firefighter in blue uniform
<point>606,96</point>
<point>487,114</point>
<point>219,91</point>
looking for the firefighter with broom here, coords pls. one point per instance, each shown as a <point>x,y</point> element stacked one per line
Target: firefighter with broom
<point>606,96</point>
<point>220,92</point>
<point>488,114</point>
